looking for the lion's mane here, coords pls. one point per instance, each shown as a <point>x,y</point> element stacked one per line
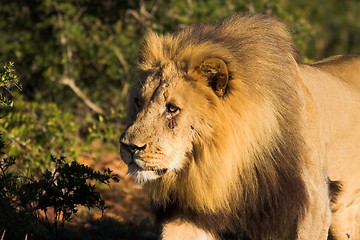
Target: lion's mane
<point>248,160</point>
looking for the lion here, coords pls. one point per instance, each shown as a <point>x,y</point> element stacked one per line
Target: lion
<point>230,133</point>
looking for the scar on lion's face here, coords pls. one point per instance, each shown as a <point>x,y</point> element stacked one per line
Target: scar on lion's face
<point>171,122</point>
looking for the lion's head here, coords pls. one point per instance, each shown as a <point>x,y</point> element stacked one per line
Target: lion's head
<point>173,111</point>
<point>206,127</point>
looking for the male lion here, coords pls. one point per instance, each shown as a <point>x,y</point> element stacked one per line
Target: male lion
<point>232,134</point>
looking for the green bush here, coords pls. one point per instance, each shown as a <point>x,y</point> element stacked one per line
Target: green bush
<point>7,80</point>
<point>36,131</point>
<point>48,194</point>
<point>51,199</point>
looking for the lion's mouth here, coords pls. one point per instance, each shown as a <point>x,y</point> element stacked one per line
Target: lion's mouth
<point>140,170</point>
<point>136,167</point>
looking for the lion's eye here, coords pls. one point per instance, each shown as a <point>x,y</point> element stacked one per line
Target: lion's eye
<point>138,102</point>
<point>172,108</point>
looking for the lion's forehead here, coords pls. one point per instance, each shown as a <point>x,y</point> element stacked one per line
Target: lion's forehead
<point>155,89</point>
<point>162,80</point>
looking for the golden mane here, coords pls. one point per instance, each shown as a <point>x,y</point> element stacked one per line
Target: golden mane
<point>253,153</point>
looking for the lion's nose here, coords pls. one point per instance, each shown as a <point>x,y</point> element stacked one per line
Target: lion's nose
<point>132,147</point>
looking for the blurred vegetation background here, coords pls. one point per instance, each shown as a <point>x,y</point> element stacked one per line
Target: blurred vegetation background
<point>76,61</point>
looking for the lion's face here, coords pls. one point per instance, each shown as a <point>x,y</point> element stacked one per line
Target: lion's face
<point>159,140</point>
<point>170,118</point>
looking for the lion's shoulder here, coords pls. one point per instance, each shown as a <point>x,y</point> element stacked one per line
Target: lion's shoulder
<point>345,67</point>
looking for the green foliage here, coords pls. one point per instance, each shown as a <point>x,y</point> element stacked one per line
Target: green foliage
<point>106,128</point>
<point>69,39</point>
<point>38,130</point>
<point>7,76</point>
<point>50,194</point>
<point>7,79</point>
<point>51,199</point>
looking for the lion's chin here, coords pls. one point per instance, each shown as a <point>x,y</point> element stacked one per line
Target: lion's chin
<point>142,176</point>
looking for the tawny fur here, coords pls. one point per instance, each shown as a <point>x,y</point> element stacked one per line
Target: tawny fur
<point>253,153</point>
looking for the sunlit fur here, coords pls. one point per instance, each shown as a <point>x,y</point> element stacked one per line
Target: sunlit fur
<point>242,158</point>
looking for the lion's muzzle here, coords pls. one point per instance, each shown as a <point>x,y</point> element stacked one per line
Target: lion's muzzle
<point>128,150</point>
<point>137,166</point>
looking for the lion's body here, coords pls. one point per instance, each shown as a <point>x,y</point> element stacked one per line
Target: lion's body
<point>232,134</point>
<point>336,98</point>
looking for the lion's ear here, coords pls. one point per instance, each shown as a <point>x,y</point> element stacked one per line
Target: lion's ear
<point>217,73</point>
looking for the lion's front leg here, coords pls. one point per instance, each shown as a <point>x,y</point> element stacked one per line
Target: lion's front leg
<point>183,230</point>
<point>316,221</point>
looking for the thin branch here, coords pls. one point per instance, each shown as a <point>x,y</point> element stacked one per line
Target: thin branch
<point>123,62</point>
<point>143,15</point>
<point>71,84</point>
<point>155,8</point>
<point>3,235</point>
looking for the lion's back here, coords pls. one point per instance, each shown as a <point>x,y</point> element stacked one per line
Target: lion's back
<point>334,85</point>
<point>346,67</point>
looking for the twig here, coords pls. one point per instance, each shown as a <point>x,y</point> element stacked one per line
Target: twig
<point>123,62</point>
<point>71,83</point>
<point>142,15</point>
<point>3,235</point>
